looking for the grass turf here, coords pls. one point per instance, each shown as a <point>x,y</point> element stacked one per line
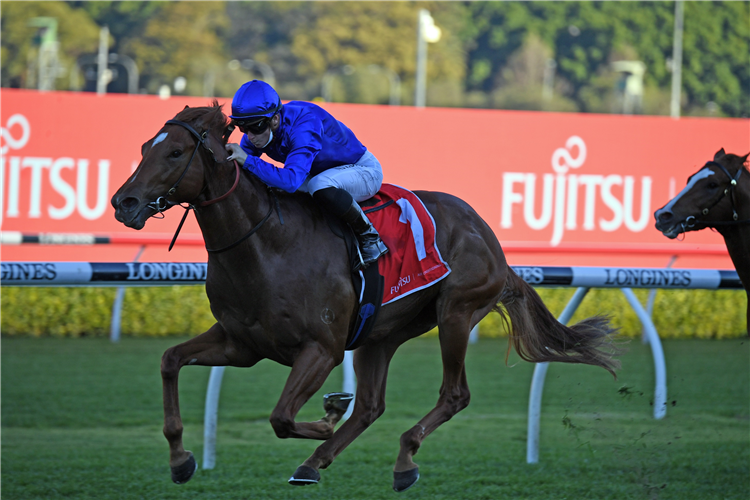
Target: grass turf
<point>81,419</point>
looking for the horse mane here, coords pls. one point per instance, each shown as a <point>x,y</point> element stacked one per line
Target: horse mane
<point>212,116</point>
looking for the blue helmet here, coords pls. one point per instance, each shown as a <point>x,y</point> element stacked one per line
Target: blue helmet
<point>255,99</point>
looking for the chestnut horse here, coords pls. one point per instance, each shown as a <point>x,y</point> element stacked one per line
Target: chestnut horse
<point>279,285</point>
<point>716,196</point>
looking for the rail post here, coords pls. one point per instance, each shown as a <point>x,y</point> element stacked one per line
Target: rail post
<point>116,321</point>
<point>660,391</point>
<point>537,384</point>
<point>211,416</point>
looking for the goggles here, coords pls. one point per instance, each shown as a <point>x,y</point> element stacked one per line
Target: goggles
<point>253,126</point>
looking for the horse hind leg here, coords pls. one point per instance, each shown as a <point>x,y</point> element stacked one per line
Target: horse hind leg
<point>335,405</point>
<point>208,349</point>
<point>371,363</point>
<point>309,370</point>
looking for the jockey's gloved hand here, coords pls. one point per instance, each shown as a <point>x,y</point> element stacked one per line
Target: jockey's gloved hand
<point>236,153</point>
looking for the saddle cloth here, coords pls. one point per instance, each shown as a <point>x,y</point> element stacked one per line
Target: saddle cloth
<point>413,261</point>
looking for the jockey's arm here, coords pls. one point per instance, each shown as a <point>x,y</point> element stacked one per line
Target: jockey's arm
<point>306,144</point>
<point>289,178</point>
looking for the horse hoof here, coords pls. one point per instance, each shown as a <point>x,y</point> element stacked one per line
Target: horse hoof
<point>337,401</point>
<point>304,475</point>
<point>182,473</point>
<point>402,481</point>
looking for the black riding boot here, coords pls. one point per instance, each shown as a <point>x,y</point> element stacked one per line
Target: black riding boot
<point>370,244</point>
<point>340,203</point>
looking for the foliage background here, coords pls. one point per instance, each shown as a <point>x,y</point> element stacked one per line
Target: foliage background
<point>491,54</point>
<point>181,310</point>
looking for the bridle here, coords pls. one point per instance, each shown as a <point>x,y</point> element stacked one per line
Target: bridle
<point>161,203</point>
<point>691,222</point>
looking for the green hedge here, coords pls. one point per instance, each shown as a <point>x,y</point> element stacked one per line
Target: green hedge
<point>706,314</point>
<point>74,312</point>
<point>181,310</point>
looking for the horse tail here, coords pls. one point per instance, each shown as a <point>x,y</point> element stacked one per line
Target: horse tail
<point>537,336</point>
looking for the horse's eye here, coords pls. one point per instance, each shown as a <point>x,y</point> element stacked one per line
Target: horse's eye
<point>712,185</point>
<point>175,154</point>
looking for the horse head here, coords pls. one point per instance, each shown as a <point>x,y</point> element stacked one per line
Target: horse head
<point>174,163</point>
<point>709,199</point>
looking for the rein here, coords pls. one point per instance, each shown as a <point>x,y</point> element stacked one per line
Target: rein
<point>206,203</point>
<point>691,222</point>
<point>273,205</point>
<point>162,203</point>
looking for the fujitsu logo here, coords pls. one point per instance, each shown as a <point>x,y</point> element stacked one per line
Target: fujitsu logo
<point>561,192</point>
<point>15,136</point>
<point>403,280</point>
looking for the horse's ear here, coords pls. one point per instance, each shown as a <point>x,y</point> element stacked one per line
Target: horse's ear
<point>719,154</point>
<point>186,107</point>
<point>227,132</point>
<point>744,160</point>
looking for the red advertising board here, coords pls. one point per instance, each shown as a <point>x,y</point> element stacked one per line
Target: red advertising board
<point>556,181</point>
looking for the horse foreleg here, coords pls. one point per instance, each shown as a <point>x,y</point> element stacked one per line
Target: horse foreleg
<point>208,349</point>
<point>309,370</point>
<point>371,367</point>
<point>454,397</point>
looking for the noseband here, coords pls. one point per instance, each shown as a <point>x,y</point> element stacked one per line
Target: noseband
<point>161,203</point>
<point>691,221</point>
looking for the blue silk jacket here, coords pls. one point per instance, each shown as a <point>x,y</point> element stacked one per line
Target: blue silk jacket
<point>308,141</point>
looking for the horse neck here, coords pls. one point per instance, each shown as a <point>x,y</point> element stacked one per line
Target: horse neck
<point>226,221</point>
<point>737,238</point>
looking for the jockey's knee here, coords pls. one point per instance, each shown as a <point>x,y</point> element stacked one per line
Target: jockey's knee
<point>335,200</point>
<point>320,182</point>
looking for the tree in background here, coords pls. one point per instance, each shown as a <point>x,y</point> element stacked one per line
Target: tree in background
<point>716,58</point>
<point>383,34</point>
<point>262,32</point>
<point>305,41</point>
<point>124,19</point>
<point>586,37</point>
<point>77,32</point>
<point>184,39</point>
<point>521,84</point>
<point>491,54</point>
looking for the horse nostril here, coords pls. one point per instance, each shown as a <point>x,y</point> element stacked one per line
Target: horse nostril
<point>664,216</point>
<point>129,203</point>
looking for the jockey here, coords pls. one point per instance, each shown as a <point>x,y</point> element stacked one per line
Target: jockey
<point>321,156</point>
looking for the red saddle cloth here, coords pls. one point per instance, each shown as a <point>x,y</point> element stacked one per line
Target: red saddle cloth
<point>413,261</point>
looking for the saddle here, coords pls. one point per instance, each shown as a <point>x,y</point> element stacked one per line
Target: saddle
<point>412,263</point>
